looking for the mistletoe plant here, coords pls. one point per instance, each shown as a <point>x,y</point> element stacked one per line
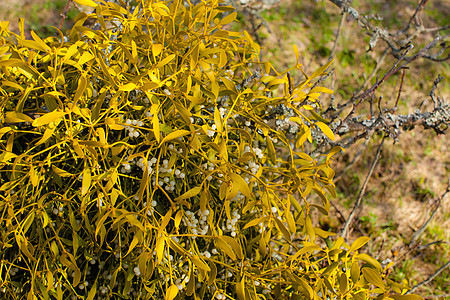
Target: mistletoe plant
<point>144,157</point>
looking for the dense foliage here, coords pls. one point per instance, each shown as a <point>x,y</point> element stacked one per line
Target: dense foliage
<point>154,156</point>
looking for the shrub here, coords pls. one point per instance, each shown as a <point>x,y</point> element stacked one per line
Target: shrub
<point>156,157</point>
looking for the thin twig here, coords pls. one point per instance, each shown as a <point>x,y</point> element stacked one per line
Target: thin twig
<point>429,279</point>
<point>64,15</point>
<point>343,15</point>
<point>394,69</point>
<point>419,7</point>
<point>361,192</point>
<point>400,89</point>
<point>419,232</point>
<point>443,296</point>
<point>341,215</point>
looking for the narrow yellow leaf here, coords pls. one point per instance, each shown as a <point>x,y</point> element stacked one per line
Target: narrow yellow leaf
<point>165,61</point>
<point>174,135</point>
<point>5,156</point>
<point>355,272</point>
<point>155,123</point>
<point>370,260</point>
<point>241,184</point>
<point>89,3</point>
<point>296,53</point>
<point>86,182</point>
<point>189,194</point>
<point>240,289</point>
<point>48,133</point>
<point>85,57</point>
<point>222,245</point>
<point>48,118</point>
<point>373,277</point>
<point>310,228</point>
<point>228,19</point>
<point>199,263</point>
<point>359,242</point>
<point>321,89</point>
<point>326,130</point>
<point>128,87</point>
<point>82,83</point>
<point>156,49</point>
<point>255,222</point>
<point>39,41</point>
<point>218,120</point>
<point>160,241</point>
<point>134,52</point>
<point>283,229</point>
<point>14,117</point>
<point>171,292</point>
<point>234,245</point>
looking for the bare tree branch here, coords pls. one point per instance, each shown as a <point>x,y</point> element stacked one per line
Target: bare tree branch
<point>429,279</point>
<point>419,232</point>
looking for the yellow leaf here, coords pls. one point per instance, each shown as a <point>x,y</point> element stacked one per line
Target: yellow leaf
<point>240,183</point>
<point>290,220</point>
<point>218,120</point>
<point>228,19</point>
<point>155,123</point>
<point>255,222</point>
<point>199,263</point>
<point>213,273</point>
<point>86,183</point>
<point>160,248</point>
<point>271,149</point>
<point>128,87</point>
<point>178,218</point>
<point>222,245</point>
<point>359,242</point>
<point>89,3</point>
<point>296,53</point>
<point>82,83</point>
<point>48,118</point>
<point>48,133</point>
<point>240,289</point>
<point>310,228</point>
<point>34,177</point>
<point>156,49</point>
<point>5,156</point>
<point>234,245</point>
<point>174,135</point>
<point>92,292</point>
<point>61,172</point>
<point>134,52</point>
<point>39,41</point>
<point>87,56</point>
<point>14,117</point>
<point>355,272</point>
<point>369,260</point>
<point>373,277</point>
<point>321,70</point>
<point>321,89</point>
<point>171,292</point>
<point>133,244</point>
<point>325,129</point>
<point>283,229</point>
<point>165,61</point>
<point>189,194</point>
